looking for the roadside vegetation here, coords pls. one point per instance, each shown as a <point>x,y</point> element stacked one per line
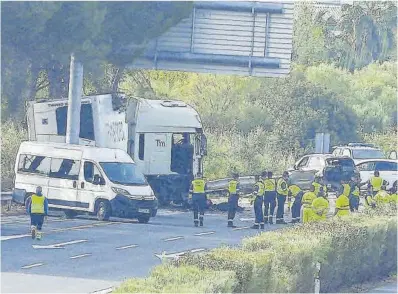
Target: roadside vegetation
<point>351,250</point>
<point>342,82</point>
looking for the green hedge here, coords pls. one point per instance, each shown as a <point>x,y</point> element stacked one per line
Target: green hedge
<point>351,250</point>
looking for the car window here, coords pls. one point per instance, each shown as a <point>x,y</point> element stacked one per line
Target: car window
<point>316,162</point>
<point>367,166</point>
<point>65,169</point>
<point>34,164</point>
<point>303,162</point>
<point>337,151</point>
<point>367,153</point>
<point>90,170</point>
<point>386,166</point>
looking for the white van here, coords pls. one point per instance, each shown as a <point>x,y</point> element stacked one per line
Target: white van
<point>84,179</point>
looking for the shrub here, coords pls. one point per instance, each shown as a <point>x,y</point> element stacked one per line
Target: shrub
<point>11,137</point>
<point>351,250</point>
<point>183,279</point>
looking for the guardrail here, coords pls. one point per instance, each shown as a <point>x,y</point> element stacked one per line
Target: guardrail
<point>6,198</point>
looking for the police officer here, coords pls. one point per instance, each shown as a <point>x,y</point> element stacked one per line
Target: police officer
<point>342,204</point>
<point>306,201</point>
<point>37,208</point>
<point>197,190</point>
<point>354,196</point>
<point>282,190</point>
<point>233,190</point>
<point>258,204</point>
<point>320,208</point>
<point>269,198</point>
<point>297,194</point>
<point>376,182</point>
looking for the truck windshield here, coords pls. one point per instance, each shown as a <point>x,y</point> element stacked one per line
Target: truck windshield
<point>367,153</point>
<point>123,173</point>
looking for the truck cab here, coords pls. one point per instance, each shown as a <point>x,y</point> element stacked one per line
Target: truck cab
<point>165,138</point>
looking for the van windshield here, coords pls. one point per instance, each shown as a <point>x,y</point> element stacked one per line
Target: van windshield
<point>123,173</point>
<point>367,154</point>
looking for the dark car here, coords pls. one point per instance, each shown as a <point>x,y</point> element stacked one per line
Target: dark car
<point>332,169</point>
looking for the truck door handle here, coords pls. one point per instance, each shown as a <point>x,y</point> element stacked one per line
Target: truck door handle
<point>74,184</point>
<point>82,185</point>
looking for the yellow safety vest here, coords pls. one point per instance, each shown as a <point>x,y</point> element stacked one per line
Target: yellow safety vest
<point>282,187</point>
<point>356,191</point>
<point>320,206</point>
<point>294,190</point>
<point>369,201</point>
<point>376,183</point>
<point>198,186</point>
<point>317,187</point>
<point>308,197</point>
<point>347,190</point>
<point>269,185</point>
<point>232,186</point>
<point>260,186</point>
<point>382,197</point>
<point>37,204</point>
<point>343,205</point>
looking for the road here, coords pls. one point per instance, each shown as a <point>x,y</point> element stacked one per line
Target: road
<point>98,255</point>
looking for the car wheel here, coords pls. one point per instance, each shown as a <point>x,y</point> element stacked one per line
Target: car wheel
<point>143,219</point>
<point>103,211</point>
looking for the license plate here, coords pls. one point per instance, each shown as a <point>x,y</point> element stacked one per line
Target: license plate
<point>143,210</point>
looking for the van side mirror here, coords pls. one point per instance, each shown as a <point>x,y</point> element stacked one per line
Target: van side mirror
<point>98,180</point>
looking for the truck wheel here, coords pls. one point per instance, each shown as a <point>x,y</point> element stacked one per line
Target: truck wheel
<point>144,219</point>
<point>103,211</point>
<point>70,213</point>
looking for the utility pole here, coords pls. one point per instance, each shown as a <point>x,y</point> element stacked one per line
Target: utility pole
<point>74,101</point>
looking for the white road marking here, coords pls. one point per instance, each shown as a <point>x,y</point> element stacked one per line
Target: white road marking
<point>178,254</point>
<point>204,233</point>
<point>241,228</point>
<point>103,291</point>
<point>173,238</point>
<point>58,246</point>
<point>32,265</point>
<point>250,219</point>
<point>5,238</point>
<point>80,256</point>
<point>127,246</point>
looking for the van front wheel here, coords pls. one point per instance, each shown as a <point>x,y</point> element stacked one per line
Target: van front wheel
<point>103,211</point>
<point>144,219</point>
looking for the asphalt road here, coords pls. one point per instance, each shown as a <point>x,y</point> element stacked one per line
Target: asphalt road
<point>98,255</point>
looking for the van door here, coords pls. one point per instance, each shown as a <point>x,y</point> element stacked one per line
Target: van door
<point>91,185</point>
<point>158,149</point>
<point>62,186</point>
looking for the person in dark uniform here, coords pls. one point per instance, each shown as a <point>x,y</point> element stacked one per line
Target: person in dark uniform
<point>269,198</point>
<point>198,192</point>
<point>233,190</point>
<point>258,204</point>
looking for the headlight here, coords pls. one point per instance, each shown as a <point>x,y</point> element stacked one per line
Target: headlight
<point>120,191</point>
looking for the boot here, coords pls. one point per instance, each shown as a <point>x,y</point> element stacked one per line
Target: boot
<point>271,220</point>
<point>33,231</point>
<point>255,226</point>
<point>231,224</point>
<point>201,221</point>
<point>38,235</point>
<point>262,226</point>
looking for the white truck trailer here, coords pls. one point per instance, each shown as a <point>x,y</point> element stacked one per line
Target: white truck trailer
<point>165,138</point>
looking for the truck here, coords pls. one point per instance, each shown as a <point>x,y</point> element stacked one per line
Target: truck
<point>165,138</point>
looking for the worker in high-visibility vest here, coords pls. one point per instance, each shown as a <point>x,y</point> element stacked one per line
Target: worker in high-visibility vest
<point>342,205</point>
<point>306,201</point>
<point>258,203</point>
<point>282,189</point>
<point>369,200</point>
<point>320,208</point>
<point>198,193</point>
<point>296,193</point>
<point>37,208</point>
<point>233,190</point>
<point>376,182</point>
<point>269,198</point>
<point>382,197</point>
